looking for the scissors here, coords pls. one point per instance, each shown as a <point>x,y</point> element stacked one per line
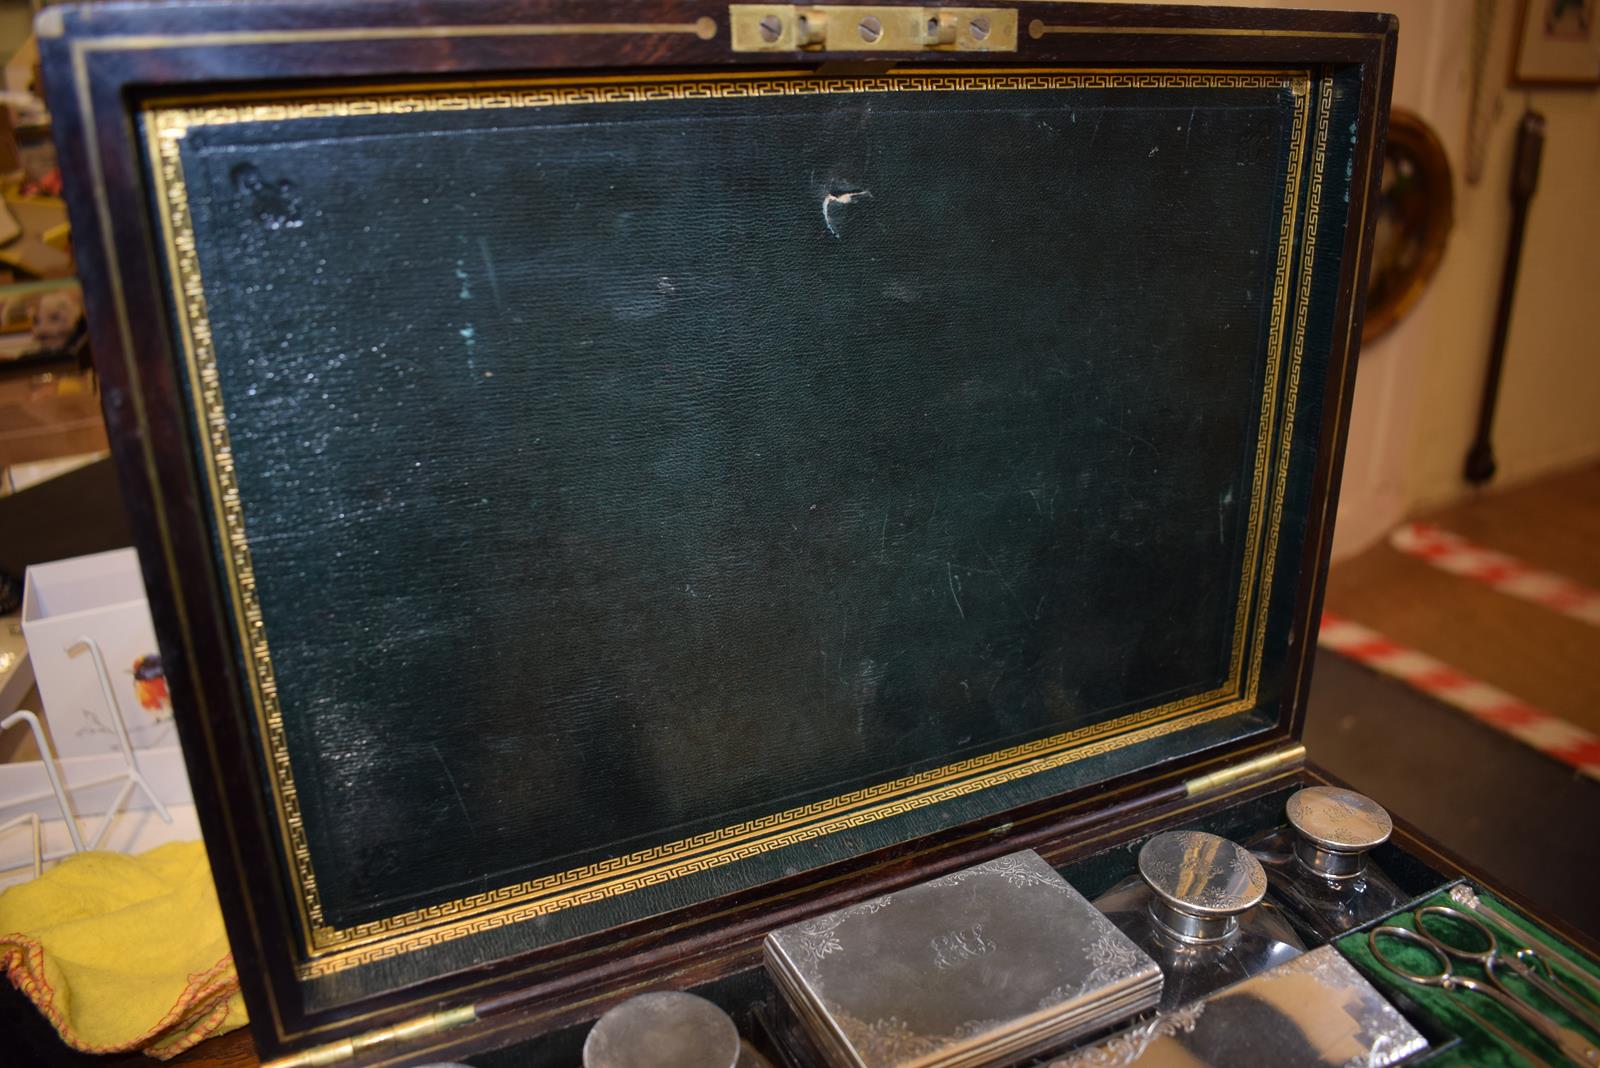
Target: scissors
<point>1510,1043</point>
<point>1462,894</point>
<point>1568,1041</point>
<point>1489,958</point>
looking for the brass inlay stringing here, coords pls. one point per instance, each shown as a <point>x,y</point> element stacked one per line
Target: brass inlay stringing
<point>51,24</point>
<point>166,124</point>
<point>1039,28</point>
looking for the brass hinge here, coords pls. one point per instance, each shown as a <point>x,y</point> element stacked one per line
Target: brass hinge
<point>1248,769</point>
<point>871,28</point>
<point>348,1048</point>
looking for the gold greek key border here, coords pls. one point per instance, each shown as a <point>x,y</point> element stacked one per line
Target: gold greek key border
<point>171,120</point>
<point>525,909</point>
<point>331,949</point>
<point>1308,244</point>
<point>1269,393</point>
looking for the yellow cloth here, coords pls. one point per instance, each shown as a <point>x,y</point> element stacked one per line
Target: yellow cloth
<point>124,953</point>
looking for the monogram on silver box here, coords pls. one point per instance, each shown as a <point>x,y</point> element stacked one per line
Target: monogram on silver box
<point>983,966</point>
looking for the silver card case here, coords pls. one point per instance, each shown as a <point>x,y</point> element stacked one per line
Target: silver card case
<point>982,966</point>
<point>1316,1010</point>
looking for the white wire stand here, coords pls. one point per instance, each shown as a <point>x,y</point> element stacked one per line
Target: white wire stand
<point>31,819</point>
<point>133,778</point>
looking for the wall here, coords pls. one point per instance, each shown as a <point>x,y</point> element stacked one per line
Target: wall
<point>1432,78</point>
<point>1549,415</point>
<point>1418,386</point>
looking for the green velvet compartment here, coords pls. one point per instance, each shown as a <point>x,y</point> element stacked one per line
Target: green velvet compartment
<point>1476,1046</point>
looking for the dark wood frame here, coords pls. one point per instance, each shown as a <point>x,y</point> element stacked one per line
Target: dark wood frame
<point>98,60</point>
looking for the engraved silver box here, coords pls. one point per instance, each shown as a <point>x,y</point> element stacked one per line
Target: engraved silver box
<point>983,966</point>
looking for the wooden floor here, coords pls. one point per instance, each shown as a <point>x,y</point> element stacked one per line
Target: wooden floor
<point>1547,659</point>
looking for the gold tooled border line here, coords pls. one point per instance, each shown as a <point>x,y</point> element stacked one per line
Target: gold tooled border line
<point>1308,244</point>
<point>332,949</point>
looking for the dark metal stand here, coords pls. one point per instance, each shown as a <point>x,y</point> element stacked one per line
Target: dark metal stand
<point>1480,466</point>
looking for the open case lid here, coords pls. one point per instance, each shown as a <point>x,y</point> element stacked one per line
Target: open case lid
<point>598,474</point>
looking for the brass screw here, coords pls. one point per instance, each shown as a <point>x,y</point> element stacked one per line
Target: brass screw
<point>979,27</point>
<point>771,27</point>
<point>871,29</point>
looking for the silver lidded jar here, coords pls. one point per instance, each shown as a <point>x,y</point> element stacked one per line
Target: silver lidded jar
<point>1197,907</point>
<point>1319,864</point>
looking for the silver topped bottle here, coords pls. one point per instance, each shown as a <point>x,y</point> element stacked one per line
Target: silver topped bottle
<point>1334,829</point>
<point>1319,865</point>
<point>1197,907</point>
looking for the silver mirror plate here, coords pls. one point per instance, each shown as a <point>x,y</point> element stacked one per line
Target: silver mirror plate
<point>1316,1011</point>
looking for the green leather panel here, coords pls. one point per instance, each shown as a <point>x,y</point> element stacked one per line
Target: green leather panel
<point>1476,1046</point>
<point>618,472</point>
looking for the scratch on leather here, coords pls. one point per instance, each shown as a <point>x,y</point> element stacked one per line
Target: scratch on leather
<point>840,198</point>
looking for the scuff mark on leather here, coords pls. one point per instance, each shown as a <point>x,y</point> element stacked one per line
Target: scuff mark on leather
<point>840,198</point>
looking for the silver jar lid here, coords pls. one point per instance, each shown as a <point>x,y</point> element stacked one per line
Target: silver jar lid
<point>1334,829</point>
<point>1200,883</point>
<point>665,1029</point>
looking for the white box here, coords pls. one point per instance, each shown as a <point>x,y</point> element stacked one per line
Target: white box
<point>92,783</point>
<point>100,597</point>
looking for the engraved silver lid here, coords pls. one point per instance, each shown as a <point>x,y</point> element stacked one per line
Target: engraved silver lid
<point>1200,883</point>
<point>1334,828</point>
<point>665,1029</point>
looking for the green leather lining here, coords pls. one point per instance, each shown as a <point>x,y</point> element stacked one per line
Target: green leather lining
<point>1477,1047</point>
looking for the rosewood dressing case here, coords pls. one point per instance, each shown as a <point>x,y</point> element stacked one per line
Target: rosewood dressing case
<point>612,480</point>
